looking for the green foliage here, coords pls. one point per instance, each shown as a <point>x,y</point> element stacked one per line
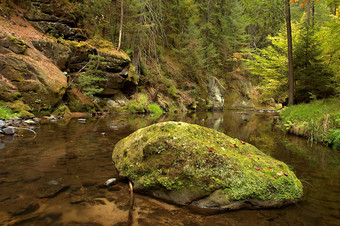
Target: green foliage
<point>312,77</point>
<point>6,113</point>
<point>318,120</point>
<point>270,64</point>
<point>100,17</point>
<point>90,79</point>
<point>329,36</point>
<point>139,104</point>
<point>155,108</point>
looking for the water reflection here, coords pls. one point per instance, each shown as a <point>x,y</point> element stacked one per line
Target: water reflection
<point>77,158</point>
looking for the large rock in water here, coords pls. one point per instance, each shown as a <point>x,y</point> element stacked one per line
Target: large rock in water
<point>190,164</point>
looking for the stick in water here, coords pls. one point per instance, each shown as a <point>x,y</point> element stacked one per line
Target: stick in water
<point>132,200</point>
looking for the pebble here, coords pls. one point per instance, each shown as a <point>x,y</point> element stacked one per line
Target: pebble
<point>30,122</point>
<point>82,120</point>
<point>110,182</point>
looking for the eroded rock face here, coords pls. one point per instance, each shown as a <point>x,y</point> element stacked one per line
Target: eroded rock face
<point>53,17</point>
<point>38,81</point>
<point>216,94</point>
<point>189,164</point>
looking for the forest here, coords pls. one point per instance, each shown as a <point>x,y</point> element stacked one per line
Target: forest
<point>225,39</point>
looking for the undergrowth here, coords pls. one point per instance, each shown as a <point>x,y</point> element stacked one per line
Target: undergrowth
<point>6,113</point>
<point>319,121</point>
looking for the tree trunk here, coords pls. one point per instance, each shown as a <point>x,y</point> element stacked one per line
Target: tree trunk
<point>308,12</point>
<point>136,49</point>
<point>313,13</point>
<point>121,24</point>
<point>290,55</point>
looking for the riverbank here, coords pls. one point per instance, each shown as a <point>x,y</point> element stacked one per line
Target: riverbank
<point>319,121</point>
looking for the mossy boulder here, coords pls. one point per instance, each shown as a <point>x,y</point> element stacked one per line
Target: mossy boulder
<point>190,164</point>
<point>78,102</point>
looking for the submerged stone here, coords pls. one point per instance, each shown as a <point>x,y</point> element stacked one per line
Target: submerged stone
<point>190,164</point>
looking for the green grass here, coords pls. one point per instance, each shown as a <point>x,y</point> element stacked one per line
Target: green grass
<point>319,121</point>
<point>6,113</point>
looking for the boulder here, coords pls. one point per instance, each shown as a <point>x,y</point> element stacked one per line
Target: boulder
<point>40,83</point>
<point>190,164</point>
<point>78,102</point>
<point>8,130</point>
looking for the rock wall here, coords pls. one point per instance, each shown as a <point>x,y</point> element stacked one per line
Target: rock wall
<point>26,75</point>
<point>216,94</point>
<point>41,71</point>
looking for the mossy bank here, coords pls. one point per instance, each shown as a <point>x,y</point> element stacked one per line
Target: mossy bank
<point>190,164</point>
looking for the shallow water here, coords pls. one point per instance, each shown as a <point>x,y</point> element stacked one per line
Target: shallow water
<point>57,177</point>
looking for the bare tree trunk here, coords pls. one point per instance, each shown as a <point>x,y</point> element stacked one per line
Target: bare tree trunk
<point>121,24</point>
<point>290,55</point>
<point>308,12</point>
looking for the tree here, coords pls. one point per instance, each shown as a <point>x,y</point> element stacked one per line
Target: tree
<point>290,55</point>
<point>121,24</point>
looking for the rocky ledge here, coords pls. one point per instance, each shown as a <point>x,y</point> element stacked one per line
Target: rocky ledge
<point>190,164</point>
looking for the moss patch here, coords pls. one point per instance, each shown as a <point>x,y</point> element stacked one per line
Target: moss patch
<point>174,157</point>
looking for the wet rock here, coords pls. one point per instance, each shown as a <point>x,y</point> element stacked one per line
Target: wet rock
<point>53,182</point>
<point>9,130</point>
<point>82,120</point>
<point>2,124</point>
<point>30,122</point>
<point>75,199</point>
<point>110,182</point>
<point>51,189</point>
<point>190,164</point>
<point>22,208</point>
<point>31,176</point>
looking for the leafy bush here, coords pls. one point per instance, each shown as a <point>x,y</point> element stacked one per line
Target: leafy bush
<point>154,108</point>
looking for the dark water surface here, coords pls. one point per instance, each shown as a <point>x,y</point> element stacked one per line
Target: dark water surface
<point>56,178</point>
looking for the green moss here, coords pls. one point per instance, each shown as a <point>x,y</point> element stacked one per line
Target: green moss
<point>139,104</point>
<point>62,110</point>
<point>6,113</point>
<point>173,156</point>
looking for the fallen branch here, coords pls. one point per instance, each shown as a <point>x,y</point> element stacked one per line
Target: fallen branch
<point>132,200</point>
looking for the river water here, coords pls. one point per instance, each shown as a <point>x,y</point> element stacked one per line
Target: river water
<point>57,177</point>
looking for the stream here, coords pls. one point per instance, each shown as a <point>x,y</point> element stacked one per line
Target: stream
<point>57,177</point>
